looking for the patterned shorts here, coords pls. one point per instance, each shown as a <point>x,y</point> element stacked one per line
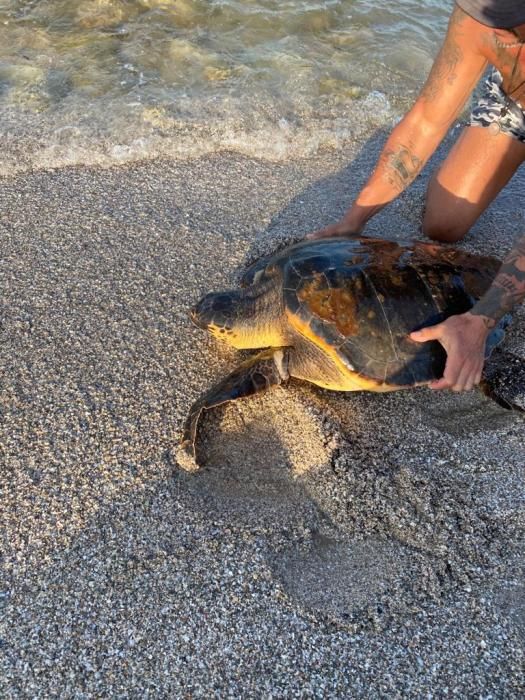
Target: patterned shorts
<point>497,112</point>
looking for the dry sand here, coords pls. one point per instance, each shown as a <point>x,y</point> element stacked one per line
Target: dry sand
<point>360,546</point>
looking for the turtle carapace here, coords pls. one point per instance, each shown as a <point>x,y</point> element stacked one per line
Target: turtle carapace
<point>338,312</point>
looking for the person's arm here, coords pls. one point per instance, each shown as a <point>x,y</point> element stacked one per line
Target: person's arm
<point>454,74</point>
<point>464,336</point>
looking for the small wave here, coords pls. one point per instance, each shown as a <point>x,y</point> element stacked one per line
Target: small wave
<point>101,83</point>
<point>134,132</point>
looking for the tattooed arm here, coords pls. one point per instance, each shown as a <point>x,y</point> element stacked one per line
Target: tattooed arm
<point>507,290</point>
<point>464,336</point>
<point>455,72</point>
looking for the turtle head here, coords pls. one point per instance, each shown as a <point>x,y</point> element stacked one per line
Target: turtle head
<point>220,314</point>
<point>246,318</point>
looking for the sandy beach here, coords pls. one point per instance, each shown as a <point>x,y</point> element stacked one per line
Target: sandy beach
<point>332,546</point>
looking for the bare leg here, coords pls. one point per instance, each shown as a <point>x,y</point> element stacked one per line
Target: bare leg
<point>479,165</point>
<point>258,373</point>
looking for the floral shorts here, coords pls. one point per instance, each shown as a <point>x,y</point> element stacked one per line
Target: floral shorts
<point>497,112</point>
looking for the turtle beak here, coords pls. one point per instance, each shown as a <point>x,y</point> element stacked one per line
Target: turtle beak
<point>197,318</point>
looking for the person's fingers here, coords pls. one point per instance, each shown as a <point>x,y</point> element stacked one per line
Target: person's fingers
<point>470,379</point>
<point>424,334</point>
<point>475,377</point>
<point>440,384</point>
<point>479,374</point>
<point>469,375</point>
<point>476,370</point>
<point>317,234</point>
<point>461,380</point>
<point>464,348</point>
<point>451,373</point>
<point>333,230</point>
<point>469,385</point>
<point>460,377</point>
<point>455,368</point>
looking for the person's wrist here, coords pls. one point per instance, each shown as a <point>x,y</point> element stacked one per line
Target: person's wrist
<point>360,213</point>
<point>483,324</point>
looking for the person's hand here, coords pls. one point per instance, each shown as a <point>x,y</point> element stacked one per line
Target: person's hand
<point>463,337</point>
<point>341,228</point>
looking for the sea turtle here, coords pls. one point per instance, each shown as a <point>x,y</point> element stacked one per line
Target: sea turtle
<point>337,312</point>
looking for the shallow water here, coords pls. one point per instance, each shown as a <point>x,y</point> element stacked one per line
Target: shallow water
<point>105,81</point>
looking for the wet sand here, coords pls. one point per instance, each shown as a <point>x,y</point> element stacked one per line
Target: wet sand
<point>331,546</point>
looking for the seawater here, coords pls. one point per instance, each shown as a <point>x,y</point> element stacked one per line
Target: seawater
<point>112,81</point>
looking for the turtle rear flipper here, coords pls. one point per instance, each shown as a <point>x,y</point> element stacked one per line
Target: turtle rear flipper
<point>504,380</point>
<point>255,375</point>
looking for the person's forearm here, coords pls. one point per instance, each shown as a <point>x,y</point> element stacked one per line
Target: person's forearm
<point>507,290</point>
<point>455,71</point>
<point>404,155</point>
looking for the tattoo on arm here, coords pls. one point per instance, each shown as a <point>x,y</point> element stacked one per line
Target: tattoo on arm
<point>444,69</point>
<point>507,290</point>
<point>401,166</point>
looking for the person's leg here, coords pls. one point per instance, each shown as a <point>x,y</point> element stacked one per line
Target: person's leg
<point>479,165</point>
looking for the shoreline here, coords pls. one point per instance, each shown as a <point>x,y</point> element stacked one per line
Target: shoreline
<point>332,546</point>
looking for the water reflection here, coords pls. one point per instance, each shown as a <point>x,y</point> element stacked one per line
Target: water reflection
<point>214,63</point>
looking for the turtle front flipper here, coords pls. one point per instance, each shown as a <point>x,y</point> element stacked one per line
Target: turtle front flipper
<point>258,373</point>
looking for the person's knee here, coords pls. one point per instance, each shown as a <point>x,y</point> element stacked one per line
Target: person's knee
<point>443,230</point>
